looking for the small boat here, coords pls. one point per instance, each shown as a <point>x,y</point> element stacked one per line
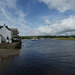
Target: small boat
<point>34,39</point>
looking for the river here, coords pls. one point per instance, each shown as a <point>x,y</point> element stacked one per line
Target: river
<point>41,57</point>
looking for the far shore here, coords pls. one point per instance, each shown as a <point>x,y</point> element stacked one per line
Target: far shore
<point>61,37</point>
<point>64,38</point>
<point>56,38</point>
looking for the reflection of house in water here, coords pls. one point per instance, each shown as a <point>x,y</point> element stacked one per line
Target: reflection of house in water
<point>6,57</point>
<point>7,34</point>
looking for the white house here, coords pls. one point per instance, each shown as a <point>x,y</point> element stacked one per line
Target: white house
<point>6,34</point>
<point>0,38</point>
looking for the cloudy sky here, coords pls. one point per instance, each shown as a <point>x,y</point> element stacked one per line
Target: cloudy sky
<point>39,17</point>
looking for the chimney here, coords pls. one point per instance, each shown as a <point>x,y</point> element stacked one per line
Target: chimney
<point>4,24</point>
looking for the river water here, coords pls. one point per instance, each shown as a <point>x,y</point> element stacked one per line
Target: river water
<point>41,57</point>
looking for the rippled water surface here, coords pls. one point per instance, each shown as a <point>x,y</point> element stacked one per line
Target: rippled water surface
<point>42,57</point>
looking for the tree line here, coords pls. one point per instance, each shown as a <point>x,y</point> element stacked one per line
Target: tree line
<point>46,37</point>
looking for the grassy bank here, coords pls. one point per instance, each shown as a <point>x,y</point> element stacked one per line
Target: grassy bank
<point>72,37</point>
<point>65,38</point>
<point>15,45</point>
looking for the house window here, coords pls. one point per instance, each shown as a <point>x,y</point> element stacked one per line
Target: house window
<point>7,38</point>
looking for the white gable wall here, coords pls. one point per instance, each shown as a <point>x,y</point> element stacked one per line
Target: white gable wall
<point>5,32</point>
<point>0,39</point>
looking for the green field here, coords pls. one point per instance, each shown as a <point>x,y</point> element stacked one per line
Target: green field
<point>65,38</point>
<point>72,37</point>
<point>10,46</point>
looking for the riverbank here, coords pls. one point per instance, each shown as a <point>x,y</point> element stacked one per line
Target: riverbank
<point>8,50</point>
<point>64,38</point>
<point>71,37</point>
<point>15,45</point>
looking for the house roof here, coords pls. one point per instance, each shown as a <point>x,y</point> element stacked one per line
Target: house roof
<point>14,30</point>
<point>8,28</point>
<point>1,27</point>
<point>5,26</point>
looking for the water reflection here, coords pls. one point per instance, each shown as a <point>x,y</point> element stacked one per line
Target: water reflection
<point>6,58</point>
<point>42,57</point>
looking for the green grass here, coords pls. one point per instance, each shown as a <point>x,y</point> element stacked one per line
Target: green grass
<point>10,46</point>
<point>65,38</point>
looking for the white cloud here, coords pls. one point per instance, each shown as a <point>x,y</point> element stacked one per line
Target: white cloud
<point>47,22</point>
<point>65,26</point>
<point>8,3</point>
<point>60,5</point>
<point>15,18</point>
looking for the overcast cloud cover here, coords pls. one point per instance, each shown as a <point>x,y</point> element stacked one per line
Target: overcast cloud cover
<point>39,17</point>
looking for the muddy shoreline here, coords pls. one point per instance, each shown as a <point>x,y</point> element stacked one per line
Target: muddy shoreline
<point>6,53</point>
<point>15,45</point>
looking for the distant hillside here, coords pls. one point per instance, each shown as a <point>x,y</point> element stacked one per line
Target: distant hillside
<point>45,37</point>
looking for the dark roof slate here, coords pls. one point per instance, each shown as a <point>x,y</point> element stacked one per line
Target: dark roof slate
<point>1,27</point>
<point>6,27</point>
<point>14,30</point>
